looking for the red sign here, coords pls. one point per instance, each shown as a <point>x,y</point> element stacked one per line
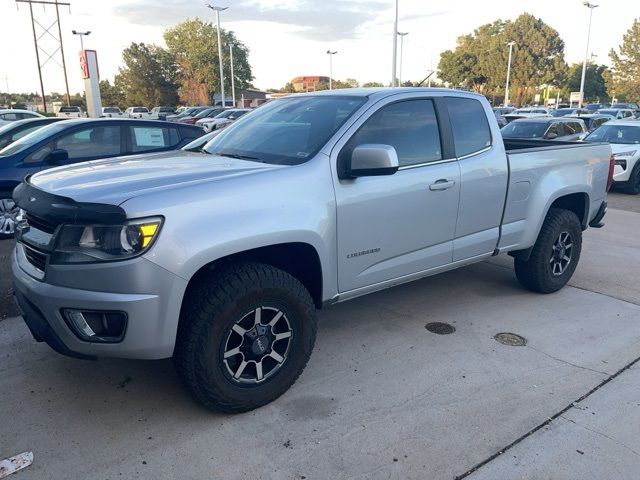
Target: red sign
<point>84,65</point>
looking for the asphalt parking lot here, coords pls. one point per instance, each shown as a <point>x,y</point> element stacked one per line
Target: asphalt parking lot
<point>381,397</point>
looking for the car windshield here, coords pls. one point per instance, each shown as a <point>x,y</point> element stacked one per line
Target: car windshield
<point>204,113</point>
<point>611,111</point>
<point>224,114</point>
<point>561,112</point>
<point>288,131</point>
<point>69,109</point>
<point>524,129</point>
<point>140,110</point>
<point>111,110</point>
<point>625,134</point>
<point>33,138</point>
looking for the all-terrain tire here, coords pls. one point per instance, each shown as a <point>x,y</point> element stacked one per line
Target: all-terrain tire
<point>633,185</point>
<point>212,309</point>
<point>537,273</point>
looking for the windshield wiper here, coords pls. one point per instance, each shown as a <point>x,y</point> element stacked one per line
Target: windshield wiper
<point>235,155</point>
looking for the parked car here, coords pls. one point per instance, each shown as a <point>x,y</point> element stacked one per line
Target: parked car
<point>526,113</point>
<point>74,141</point>
<point>137,112</point>
<point>626,106</point>
<point>617,113</point>
<point>192,119</point>
<point>71,112</point>
<point>547,128</point>
<point>223,119</point>
<point>111,112</point>
<point>220,261</point>
<point>13,131</point>
<point>189,112</point>
<point>592,120</point>
<point>624,137</point>
<point>161,113</point>
<point>8,115</point>
<point>499,111</point>
<point>563,112</point>
<point>593,107</point>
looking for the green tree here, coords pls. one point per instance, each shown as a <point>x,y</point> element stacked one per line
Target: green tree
<point>594,82</point>
<point>112,95</point>
<point>624,81</point>
<point>194,45</point>
<point>145,78</point>
<point>373,84</point>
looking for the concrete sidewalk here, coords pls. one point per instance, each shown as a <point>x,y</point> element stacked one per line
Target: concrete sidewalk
<point>381,398</point>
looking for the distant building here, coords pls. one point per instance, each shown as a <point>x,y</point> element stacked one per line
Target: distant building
<point>251,97</point>
<point>308,84</point>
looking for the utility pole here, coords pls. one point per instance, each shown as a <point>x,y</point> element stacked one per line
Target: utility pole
<point>506,90</point>
<point>402,35</point>
<point>395,48</point>
<point>233,84</point>
<point>50,56</point>
<point>218,10</point>
<point>590,6</point>
<point>331,54</point>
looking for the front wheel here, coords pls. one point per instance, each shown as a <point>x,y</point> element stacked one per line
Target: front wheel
<point>555,254</point>
<point>633,186</point>
<point>246,333</point>
<point>8,214</point>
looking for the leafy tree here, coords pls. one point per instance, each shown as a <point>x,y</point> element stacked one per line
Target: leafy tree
<point>624,81</point>
<point>194,46</point>
<point>373,84</point>
<point>112,95</point>
<point>594,82</point>
<point>479,61</point>
<point>146,77</point>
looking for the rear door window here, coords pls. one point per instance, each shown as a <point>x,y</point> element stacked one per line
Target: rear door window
<point>144,139</point>
<point>471,132</point>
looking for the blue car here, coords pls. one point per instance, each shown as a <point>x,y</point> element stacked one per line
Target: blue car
<point>74,141</point>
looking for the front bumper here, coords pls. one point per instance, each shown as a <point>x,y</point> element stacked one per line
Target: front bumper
<point>150,295</point>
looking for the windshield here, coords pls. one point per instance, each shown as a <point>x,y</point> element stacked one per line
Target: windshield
<point>204,113</point>
<point>140,110</point>
<point>33,138</point>
<point>111,110</point>
<point>224,114</point>
<point>612,112</point>
<point>288,131</point>
<point>524,130</point>
<point>70,109</point>
<point>624,134</point>
<point>561,112</point>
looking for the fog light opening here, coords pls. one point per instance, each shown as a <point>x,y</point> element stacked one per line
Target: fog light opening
<point>96,326</point>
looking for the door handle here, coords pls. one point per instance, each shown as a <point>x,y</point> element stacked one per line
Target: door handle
<point>442,184</point>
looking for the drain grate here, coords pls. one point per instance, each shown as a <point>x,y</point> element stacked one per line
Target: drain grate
<point>510,339</point>
<point>440,328</point>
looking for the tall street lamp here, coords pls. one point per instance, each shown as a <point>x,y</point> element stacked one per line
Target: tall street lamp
<point>331,54</point>
<point>402,35</point>
<point>233,84</point>
<point>395,48</point>
<point>218,10</point>
<point>506,90</point>
<point>590,6</point>
<point>81,34</point>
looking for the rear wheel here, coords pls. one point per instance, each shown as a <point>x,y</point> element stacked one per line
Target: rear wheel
<point>8,214</point>
<point>246,334</point>
<point>555,254</point>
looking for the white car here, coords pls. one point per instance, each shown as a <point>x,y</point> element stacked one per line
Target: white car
<point>624,137</point>
<point>137,112</point>
<point>70,112</point>
<point>8,115</point>
<point>222,120</point>
<point>111,112</point>
<point>618,113</point>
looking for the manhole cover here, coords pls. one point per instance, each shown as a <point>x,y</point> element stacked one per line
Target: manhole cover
<point>511,339</point>
<point>440,328</point>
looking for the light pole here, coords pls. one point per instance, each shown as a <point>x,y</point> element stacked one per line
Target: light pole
<point>233,84</point>
<point>395,48</point>
<point>218,10</point>
<point>506,90</point>
<point>81,34</point>
<point>402,35</point>
<point>590,6</point>
<point>331,54</point>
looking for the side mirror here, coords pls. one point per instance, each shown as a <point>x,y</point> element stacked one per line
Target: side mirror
<point>371,159</point>
<point>551,135</point>
<point>57,156</point>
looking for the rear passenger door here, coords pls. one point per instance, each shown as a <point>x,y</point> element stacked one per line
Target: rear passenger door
<point>483,176</point>
<point>149,138</point>
<point>396,225</point>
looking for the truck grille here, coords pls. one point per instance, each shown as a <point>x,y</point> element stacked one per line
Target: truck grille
<point>35,258</point>
<point>39,223</point>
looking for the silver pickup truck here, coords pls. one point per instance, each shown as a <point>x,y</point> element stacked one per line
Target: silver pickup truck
<point>220,259</point>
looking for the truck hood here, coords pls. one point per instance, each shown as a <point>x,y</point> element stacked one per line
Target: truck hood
<point>116,180</point>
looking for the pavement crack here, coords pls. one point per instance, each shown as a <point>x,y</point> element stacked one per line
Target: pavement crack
<point>601,434</point>
<point>547,421</point>
<point>567,362</point>
<point>606,295</point>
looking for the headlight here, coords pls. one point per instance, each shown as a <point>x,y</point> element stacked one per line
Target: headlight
<point>104,243</point>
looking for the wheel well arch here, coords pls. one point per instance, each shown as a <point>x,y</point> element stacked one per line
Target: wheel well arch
<point>300,260</point>
<point>577,203</point>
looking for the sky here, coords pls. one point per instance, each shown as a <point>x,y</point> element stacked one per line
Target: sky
<point>288,38</point>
